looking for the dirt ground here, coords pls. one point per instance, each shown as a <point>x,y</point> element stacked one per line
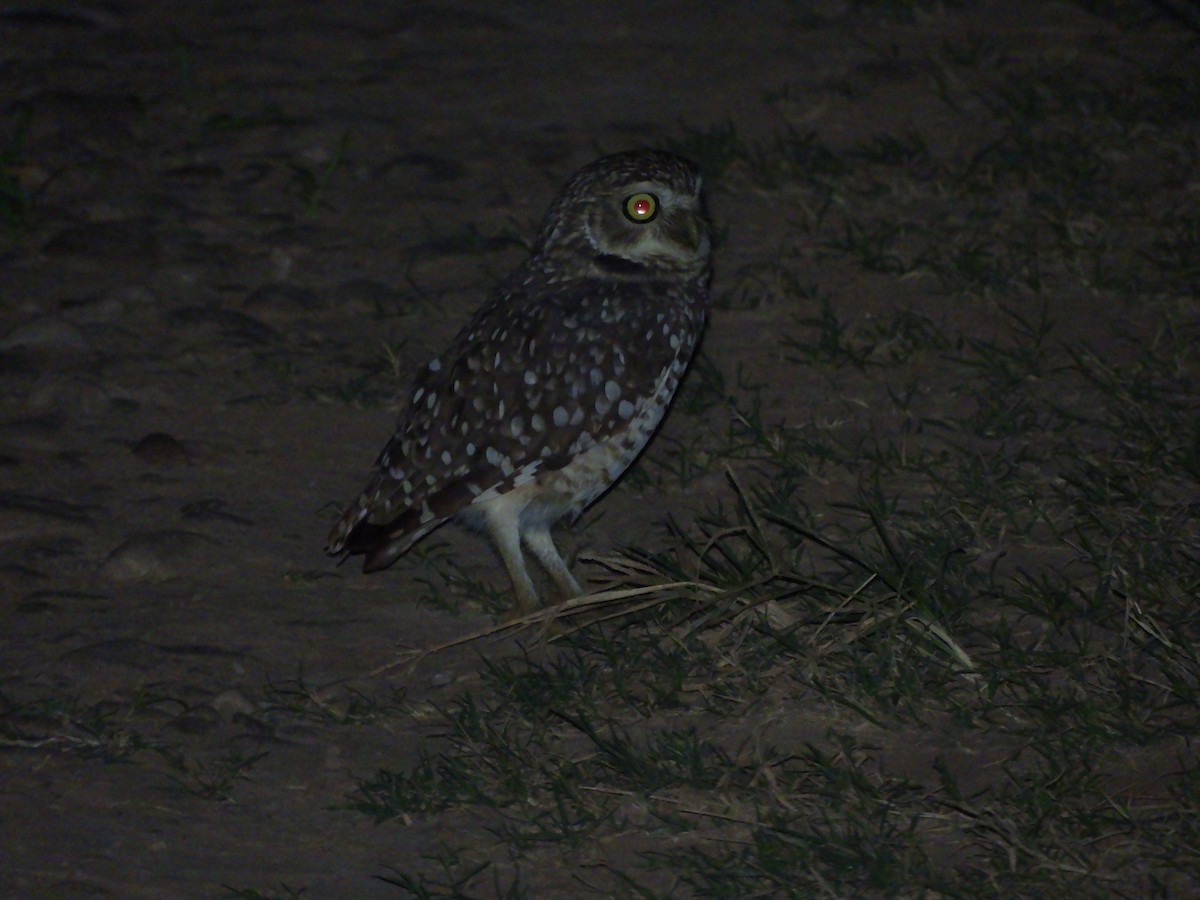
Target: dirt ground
<point>239,213</point>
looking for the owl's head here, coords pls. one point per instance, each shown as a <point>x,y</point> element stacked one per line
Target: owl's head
<point>631,215</point>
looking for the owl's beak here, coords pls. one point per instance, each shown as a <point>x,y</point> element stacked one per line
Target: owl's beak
<point>689,232</point>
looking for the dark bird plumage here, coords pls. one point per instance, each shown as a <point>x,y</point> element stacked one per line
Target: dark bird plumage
<point>558,381</point>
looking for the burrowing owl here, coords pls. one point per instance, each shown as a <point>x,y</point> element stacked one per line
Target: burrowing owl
<point>558,381</point>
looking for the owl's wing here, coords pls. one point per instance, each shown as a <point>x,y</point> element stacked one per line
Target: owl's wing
<point>534,380</point>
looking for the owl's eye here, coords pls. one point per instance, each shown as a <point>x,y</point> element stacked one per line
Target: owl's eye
<point>641,208</point>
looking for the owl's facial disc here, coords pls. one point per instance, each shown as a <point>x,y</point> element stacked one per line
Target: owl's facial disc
<point>648,226</point>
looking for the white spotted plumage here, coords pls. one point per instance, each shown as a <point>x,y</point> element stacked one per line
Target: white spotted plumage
<point>557,383</point>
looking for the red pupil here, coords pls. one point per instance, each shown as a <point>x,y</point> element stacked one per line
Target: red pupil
<point>641,207</point>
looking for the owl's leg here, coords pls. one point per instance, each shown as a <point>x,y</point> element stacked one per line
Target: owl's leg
<point>502,527</point>
<point>538,540</point>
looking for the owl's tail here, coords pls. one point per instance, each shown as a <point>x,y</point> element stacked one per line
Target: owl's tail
<point>341,536</point>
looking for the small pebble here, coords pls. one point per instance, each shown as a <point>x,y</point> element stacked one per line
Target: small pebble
<point>160,449</point>
<point>157,556</point>
<point>232,702</point>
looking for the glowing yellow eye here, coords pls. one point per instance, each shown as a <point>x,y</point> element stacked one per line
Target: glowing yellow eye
<point>641,208</point>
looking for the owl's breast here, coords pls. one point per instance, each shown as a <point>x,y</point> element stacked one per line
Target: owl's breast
<point>595,464</point>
